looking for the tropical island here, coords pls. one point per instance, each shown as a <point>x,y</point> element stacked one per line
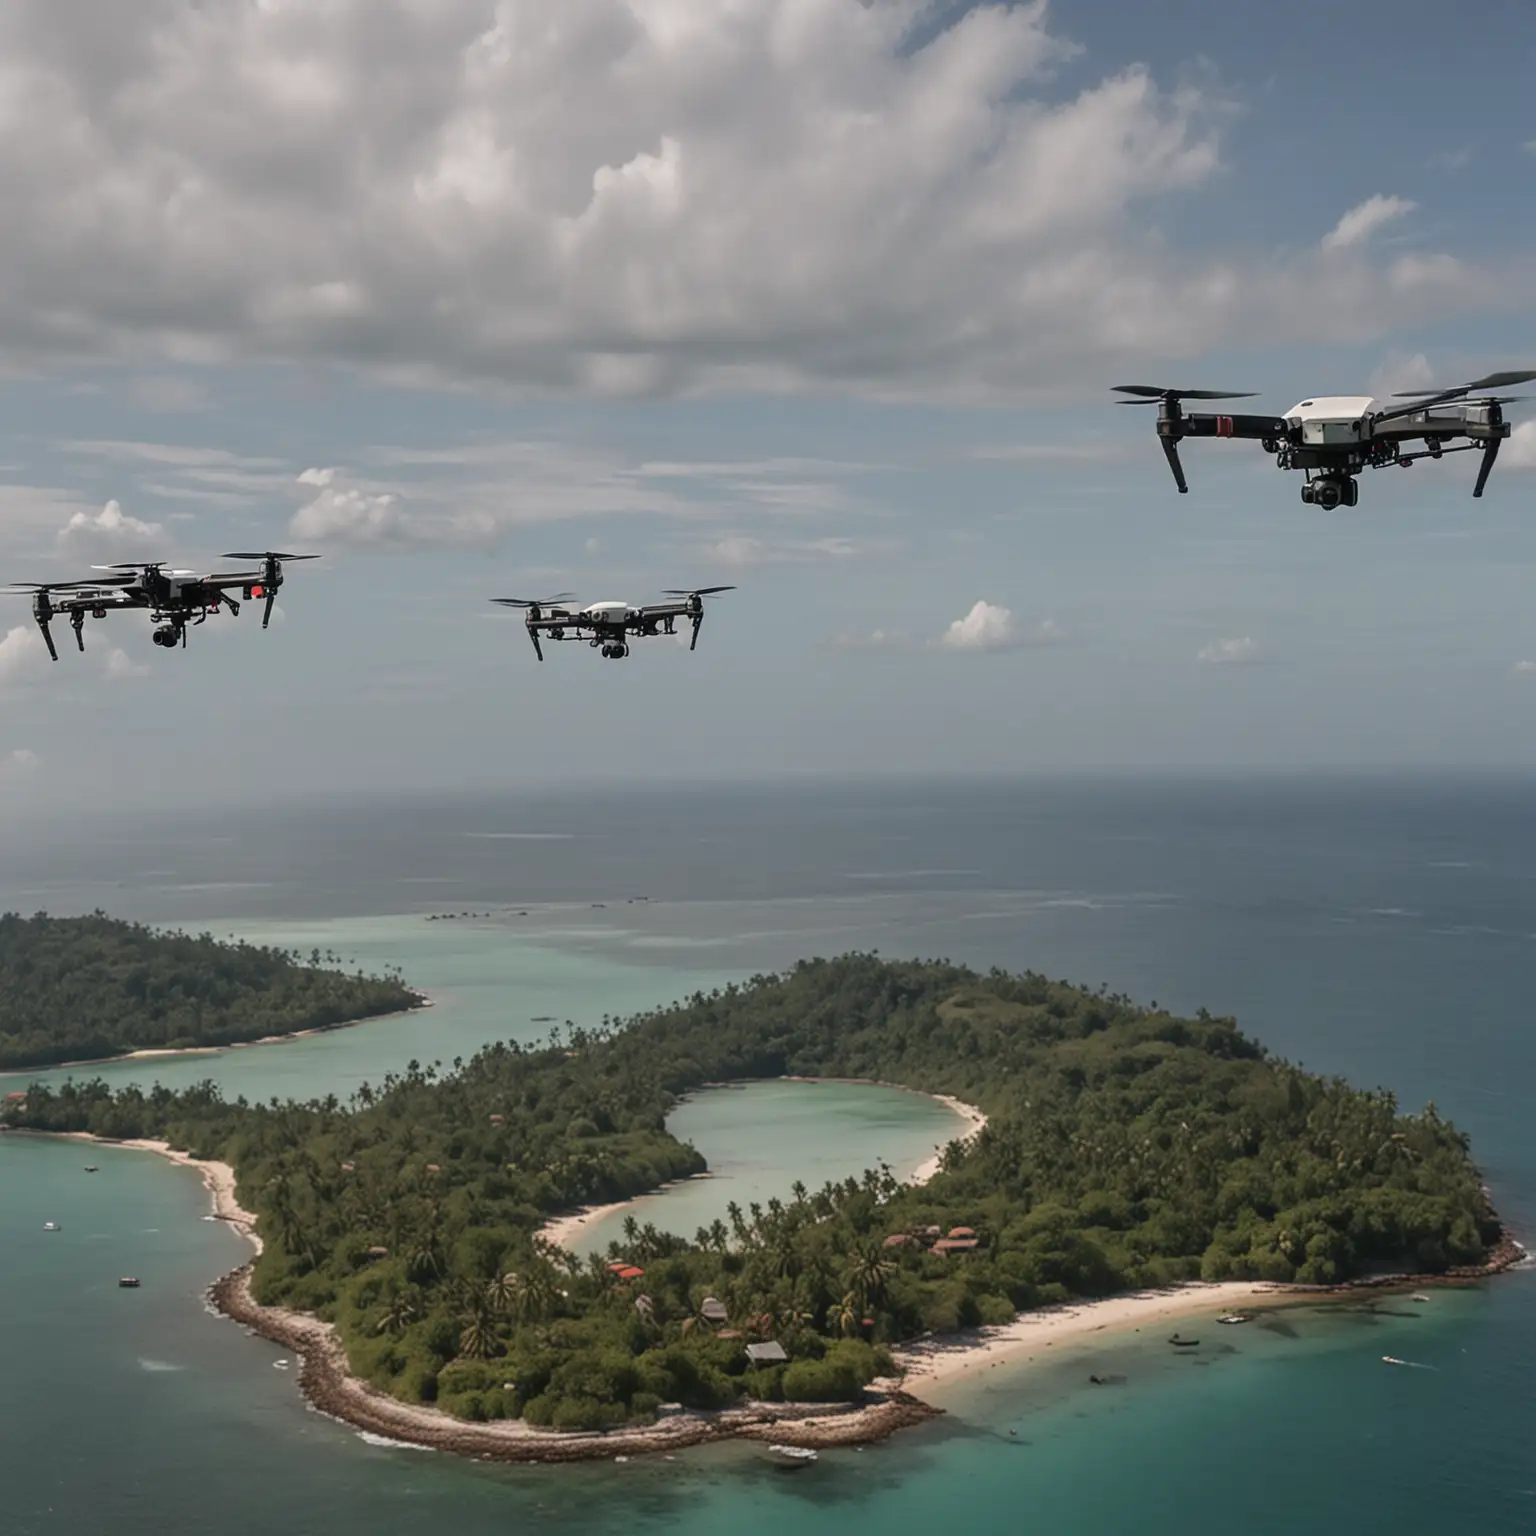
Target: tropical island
<point>76,989</point>
<point>1124,1148</point>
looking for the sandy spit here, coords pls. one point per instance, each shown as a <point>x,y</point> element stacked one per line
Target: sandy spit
<point>155,1053</point>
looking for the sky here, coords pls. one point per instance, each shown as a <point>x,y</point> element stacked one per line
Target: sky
<point>821,298</point>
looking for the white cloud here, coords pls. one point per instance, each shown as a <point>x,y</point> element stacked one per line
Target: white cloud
<point>1400,373</point>
<point>739,550</point>
<point>1520,451</point>
<point>21,654</point>
<point>341,514</point>
<point>874,640</point>
<point>110,532</point>
<point>1364,219</point>
<point>1525,668</point>
<point>1233,652</point>
<point>121,665</point>
<point>633,196</point>
<point>18,763</point>
<point>989,627</point>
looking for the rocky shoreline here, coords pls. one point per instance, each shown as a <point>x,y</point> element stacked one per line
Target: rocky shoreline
<point>329,1385</point>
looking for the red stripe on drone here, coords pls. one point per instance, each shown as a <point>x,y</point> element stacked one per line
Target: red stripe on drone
<point>1223,426</point>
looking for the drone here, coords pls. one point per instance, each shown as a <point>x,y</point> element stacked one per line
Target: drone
<point>1333,438</point>
<point>174,599</point>
<point>610,624</point>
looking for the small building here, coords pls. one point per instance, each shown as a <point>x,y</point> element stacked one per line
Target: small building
<point>712,1310</point>
<point>769,1353</point>
<point>628,1272</point>
<point>898,1240</point>
<point>962,1232</point>
<point>378,1253</point>
<point>955,1245</point>
<point>349,1167</point>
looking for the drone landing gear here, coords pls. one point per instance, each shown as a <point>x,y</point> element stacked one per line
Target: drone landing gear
<point>1331,491</point>
<point>77,623</point>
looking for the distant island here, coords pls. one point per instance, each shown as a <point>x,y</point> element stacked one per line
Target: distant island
<point>1124,1148</point>
<point>75,989</point>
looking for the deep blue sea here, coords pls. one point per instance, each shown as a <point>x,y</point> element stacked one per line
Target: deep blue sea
<point>1381,929</point>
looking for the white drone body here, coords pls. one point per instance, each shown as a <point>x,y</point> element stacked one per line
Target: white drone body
<point>1333,437</point>
<point>609,625</point>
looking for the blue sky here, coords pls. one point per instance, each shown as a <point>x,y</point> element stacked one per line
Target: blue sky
<point>818,298</point>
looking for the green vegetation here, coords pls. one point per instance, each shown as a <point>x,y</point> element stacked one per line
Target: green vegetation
<point>90,988</point>
<point>1125,1148</point>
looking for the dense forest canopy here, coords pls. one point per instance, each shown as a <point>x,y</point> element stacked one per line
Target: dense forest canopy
<point>90,988</point>
<point>1125,1147</point>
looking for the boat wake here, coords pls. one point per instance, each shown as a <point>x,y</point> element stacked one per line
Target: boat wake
<point>1411,1364</point>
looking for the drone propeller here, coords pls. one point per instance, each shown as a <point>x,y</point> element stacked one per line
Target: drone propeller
<point>1424,398</point>
<point>535,602</point>
<point>71,586</point>
<point>1151,394</point>
<point>265,554</point>
<point>695,591</point>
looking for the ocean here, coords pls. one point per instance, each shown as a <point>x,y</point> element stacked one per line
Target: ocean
<point>1379,929</point>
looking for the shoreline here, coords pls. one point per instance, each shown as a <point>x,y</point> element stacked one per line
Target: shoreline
<point>935,1365</point>
<point>155,1053</point>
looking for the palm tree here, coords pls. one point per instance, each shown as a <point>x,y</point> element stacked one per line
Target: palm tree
<point>868,1272</point>
<point>401,1312</point>
<point>846,1315</point>
<point>501,1293</point>
<point>477,1339</point>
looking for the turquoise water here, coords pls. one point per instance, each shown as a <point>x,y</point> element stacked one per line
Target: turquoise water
<point>487,981</point>
<point>761,1138</point>
<point>1381,930</point>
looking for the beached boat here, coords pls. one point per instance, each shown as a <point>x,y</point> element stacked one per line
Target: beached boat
<point>129,1283</point>
<point>1234,1317</point>
<point>790,1456</point>
<point>1182,1343</point>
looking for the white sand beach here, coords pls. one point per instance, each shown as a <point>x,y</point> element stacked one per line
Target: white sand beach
<point>945,1360</point>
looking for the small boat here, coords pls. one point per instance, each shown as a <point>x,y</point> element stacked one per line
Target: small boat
<point>1420,1296</point>
<point>280,1365</point>
<point>90,1167</point>
<point>50,1226</point>
<point>1179,1343</point>
<point>1234,1317</point>
<point>791,1456</point>
<point>129,1283</point>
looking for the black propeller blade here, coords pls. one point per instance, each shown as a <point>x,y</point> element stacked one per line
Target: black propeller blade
<point>535,602</point>
<point>1425,398</point>
<point>695,591</point>
<point>266,554</point>
<point>1152,393</point>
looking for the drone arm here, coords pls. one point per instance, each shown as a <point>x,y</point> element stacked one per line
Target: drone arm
<point>533,634</point>
<point>1205,424</point>
<point>698,624</point>
<point>42,624</point>
<point>77,622</point>
<point>1490,453</point>
<point>266,612</point>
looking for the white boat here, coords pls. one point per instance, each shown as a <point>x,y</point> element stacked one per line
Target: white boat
<point>1419,1297</point>
<point>1234,1317</point>
<point>791,1455</point>
<point>50,1226</point>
